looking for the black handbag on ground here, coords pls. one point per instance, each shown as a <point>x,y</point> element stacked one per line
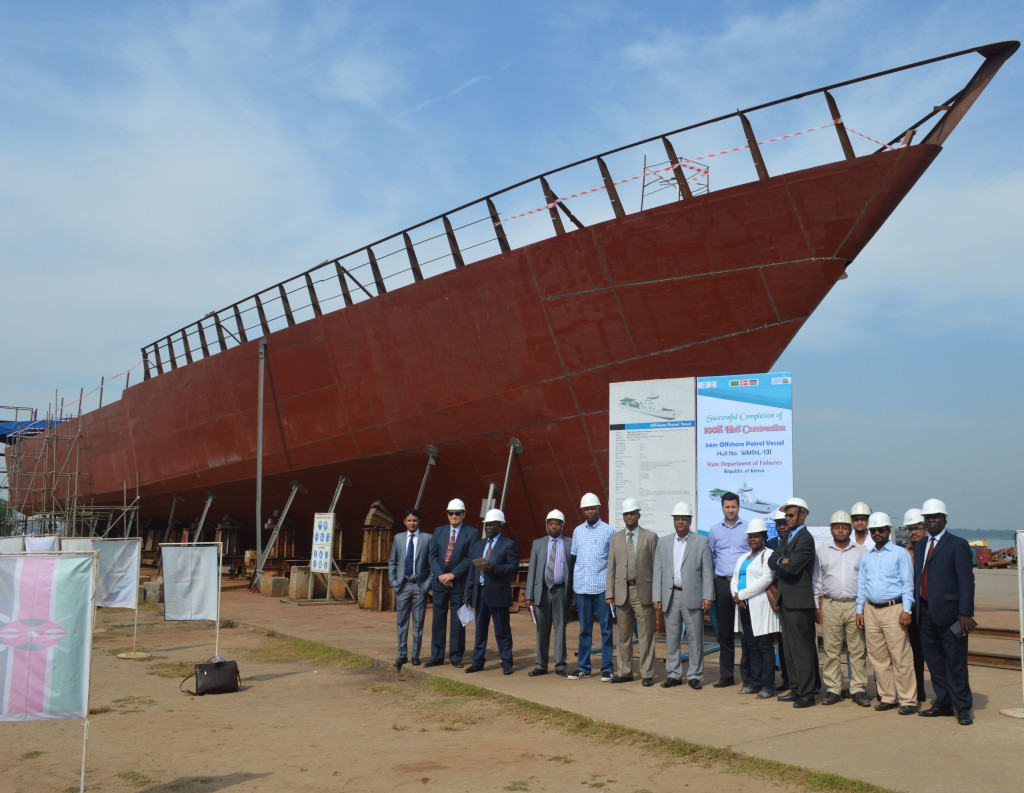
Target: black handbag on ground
<point>216,677</point>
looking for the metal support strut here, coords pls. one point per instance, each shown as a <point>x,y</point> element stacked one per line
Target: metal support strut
<point>202,519</point>
<point>431,462</point>
<point>257,576</point>
<point>515,446</point>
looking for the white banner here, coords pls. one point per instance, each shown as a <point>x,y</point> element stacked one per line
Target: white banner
<point>45,542</point>
<point>191,582</point>
<point>651,448</point>
<point>46,608</point>
<point>744,445</point>
<point>118,585</point>
<point>12,544</point>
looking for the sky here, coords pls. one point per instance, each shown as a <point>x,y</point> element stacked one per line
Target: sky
<point>159,161</point>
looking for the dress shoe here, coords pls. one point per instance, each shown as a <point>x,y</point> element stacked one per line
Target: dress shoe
<point>886,706</point>
<point>416,662</point>
<point>648,681</point>
<point>805,702</point>
<point>433,662</point>
<point>399,663</point>
<point>457,664</point>
<point>672,682</point>
<point>860,698</point>
<point>725,682</point>
<point>507,670</point>
<point>831,698</point>
<point>561,673</point>
<point>474,668</point>
<point>964,717</point>
<point>537,672</point>
<point>696,685</point>
<point>937,710</point>
<point>617,679</point>
<point>790,697</point>
<point>908,710</point>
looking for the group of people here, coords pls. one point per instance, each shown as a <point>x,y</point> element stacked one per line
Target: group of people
<point>895,609</point>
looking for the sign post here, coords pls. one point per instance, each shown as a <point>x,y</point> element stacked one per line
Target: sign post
<point>323,549</point>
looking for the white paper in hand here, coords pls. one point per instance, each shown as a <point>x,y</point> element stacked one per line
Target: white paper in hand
<point>466,615</point>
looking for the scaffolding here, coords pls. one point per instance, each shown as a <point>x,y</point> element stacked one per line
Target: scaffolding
<point>40,479</point>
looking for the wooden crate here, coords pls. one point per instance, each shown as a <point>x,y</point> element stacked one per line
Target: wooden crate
<point>379,595</point>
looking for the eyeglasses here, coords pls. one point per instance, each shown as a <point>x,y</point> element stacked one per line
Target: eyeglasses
<point>881,530</point>
<point>454,514</point>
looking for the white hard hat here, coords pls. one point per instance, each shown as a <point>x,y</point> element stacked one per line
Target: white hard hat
<point>860,508</point>
<point>555,514</point>
<point>798,502</point>
<point>683,509</point>
<point>456,505</point>
<point>912,517</point>
<point>879,520</point>
<point>589,500</point>
<point>494,516</point>
<point>779,515</point>
<point>840,517</point>
<point>933,507</point>
<point>630,505</point>
<point>756,526</point>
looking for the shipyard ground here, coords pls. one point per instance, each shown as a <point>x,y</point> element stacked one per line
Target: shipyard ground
<point>306,724</point>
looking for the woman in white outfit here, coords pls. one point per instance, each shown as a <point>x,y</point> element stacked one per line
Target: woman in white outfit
<point>755,620</point>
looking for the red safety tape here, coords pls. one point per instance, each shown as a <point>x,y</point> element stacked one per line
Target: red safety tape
<point>698,171</point>
<point>873,140</point>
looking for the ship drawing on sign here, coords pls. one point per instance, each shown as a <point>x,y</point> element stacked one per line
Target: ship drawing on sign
<point>748,500</point>
<point>649,407</point>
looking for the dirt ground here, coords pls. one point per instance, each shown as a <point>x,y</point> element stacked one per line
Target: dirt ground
<point>299,725</point>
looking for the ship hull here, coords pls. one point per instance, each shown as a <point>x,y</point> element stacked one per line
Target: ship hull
<point>522,344</point>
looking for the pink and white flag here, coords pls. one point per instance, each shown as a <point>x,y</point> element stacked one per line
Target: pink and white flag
<point>46,604</point>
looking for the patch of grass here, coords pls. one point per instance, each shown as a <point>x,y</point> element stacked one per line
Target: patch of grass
<point>655,745</point>
<point>98,711</point>
<point>396,726</point>
<point>32,754</point>
<point>287,648</point>
<point>135,779</point>
<point>172,670</point>
<point>560,758</point>
<point>517,784</point>
<point>380,688</point>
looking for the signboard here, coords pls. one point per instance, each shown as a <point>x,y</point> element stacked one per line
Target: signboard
<point>323,538</point>
<point>744,445</point>
<point>651,447</point>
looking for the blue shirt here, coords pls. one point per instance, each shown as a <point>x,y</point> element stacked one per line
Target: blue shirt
<point>590,547</point>
<point>488,547</point>
<point>885,574</point>
<point>727,546</point>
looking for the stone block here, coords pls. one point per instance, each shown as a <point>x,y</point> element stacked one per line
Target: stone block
<point>274,586</point>
<point>154,591</point>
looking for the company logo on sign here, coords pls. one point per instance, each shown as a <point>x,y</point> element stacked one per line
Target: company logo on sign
<point>707,384</point>
<point>741,383</point>
<point>782,380</point>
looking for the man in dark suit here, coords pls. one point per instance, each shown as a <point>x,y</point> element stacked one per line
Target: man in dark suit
<point>793,560</point>
<point>489,590</point>
<point>409,576</point>
<point>449,565</point>
<point>944,591</point>
<point>549,591</point>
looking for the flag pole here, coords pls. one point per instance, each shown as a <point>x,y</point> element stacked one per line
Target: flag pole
<point>1018,713</point>
<point>220,567</point>
<point>88,681</point>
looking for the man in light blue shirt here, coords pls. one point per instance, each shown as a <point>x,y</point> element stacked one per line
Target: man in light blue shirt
<point>590,543</point>
<point>728,542</point>
<point>885,599</point>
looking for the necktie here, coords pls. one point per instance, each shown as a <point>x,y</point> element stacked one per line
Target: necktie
<point>924,571</point>
<point>451,547</point>
<point>487,553</point>
<point>549,574</point>
<point>630,556</point>
<point>409,550</point>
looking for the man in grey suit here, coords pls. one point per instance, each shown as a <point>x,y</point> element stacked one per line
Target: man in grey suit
<point>409,575</point>
<point>549,591</point>
<point>628,589</point>
<point>684,586</point>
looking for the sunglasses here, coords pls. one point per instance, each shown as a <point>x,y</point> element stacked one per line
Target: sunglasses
<point>453,514</point>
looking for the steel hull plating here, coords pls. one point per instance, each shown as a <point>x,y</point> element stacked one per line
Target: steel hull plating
<point>522,344</point>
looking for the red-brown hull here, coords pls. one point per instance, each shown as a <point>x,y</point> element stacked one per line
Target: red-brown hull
<point>522,344</point>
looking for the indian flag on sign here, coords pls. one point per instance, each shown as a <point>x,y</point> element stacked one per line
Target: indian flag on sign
<point>46,603</point>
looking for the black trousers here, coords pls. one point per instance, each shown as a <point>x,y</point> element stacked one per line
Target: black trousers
<point>946,656</point>
<point>800,641</point>
<point>725,609</point>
